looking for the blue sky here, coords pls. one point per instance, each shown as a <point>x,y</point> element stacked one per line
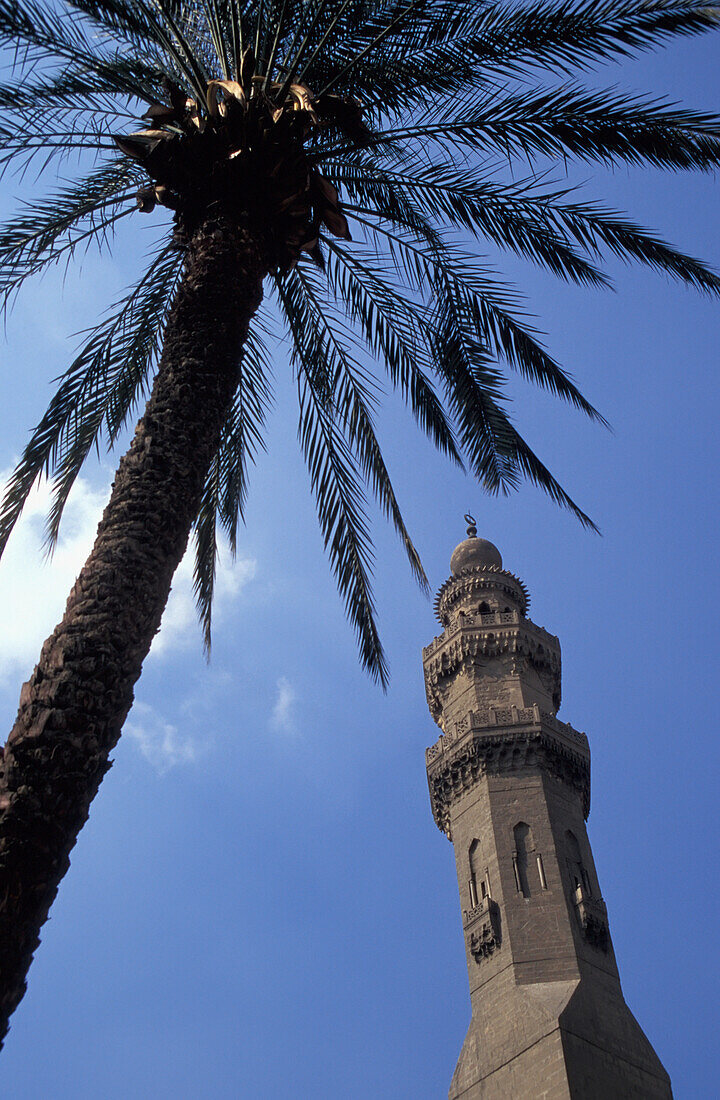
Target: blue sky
<point>261,905</point>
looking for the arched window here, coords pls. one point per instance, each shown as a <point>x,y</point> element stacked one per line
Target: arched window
<point>578,875</point>
<point>478,884</point>
<point>484,608</point>
<point>524,846</point>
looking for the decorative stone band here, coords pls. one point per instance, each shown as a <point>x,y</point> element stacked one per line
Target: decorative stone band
<point>493,642</point>
<point>504,716</point>
<point>530,739</point>
<point>489,618</point>
<point>460,649</point>
<point>476,580</point>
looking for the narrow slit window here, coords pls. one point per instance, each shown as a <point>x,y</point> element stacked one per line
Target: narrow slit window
<point>515,872</point>
<point>474,865</point>
<point>523,844</point>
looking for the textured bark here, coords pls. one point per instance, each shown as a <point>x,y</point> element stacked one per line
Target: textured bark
<point>73,707</point>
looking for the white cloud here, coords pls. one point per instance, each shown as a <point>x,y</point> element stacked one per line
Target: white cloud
<point>34,588</point>
<point>282,718</point>
<point>179,624</point>
<point>158,740</point>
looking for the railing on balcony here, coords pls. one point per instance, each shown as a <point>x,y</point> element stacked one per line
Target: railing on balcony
<point>500,716</point>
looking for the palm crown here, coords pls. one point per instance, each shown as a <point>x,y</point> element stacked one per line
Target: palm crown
<point>339,151</point>
<point>361,141</point>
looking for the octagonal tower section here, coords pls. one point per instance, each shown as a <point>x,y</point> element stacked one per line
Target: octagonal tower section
<point>510,787</point>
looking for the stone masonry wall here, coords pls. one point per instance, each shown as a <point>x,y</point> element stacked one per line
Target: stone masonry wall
<point>510,785</point>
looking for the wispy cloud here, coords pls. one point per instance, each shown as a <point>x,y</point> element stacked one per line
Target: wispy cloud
<point>34,588</point>
<point>179,624</point>
<point>282,718</point>
<point>159,741</point>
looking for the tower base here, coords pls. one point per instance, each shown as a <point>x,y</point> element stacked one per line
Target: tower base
<point>571,1040</point>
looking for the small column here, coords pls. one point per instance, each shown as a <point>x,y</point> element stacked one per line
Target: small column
<point>510,787</point>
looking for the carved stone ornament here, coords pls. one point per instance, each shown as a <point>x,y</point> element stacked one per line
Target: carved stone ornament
<point>465,638</point>
<point>483,929</point>
<point>473,582</point>
<point>462,763</point>
<point>483,942</point>
<point>592,916</point>
<point>464,648</point>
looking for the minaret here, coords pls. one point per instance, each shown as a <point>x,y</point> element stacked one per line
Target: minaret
<point>510,787</point>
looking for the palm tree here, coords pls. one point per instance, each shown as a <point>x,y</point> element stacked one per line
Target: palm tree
<point>238,124</point>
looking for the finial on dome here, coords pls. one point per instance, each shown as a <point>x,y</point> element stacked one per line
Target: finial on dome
<point>474,553</point>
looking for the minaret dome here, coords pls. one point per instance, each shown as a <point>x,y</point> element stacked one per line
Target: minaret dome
<point>478,583</point>
<point>474,553</point>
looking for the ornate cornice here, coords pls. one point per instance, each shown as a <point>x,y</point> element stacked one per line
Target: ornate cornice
<point>468,637</point>
<point>498,742</point>
<point>471,639</point>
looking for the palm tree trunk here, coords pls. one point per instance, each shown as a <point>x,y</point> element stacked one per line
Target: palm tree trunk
<point>73,707</point>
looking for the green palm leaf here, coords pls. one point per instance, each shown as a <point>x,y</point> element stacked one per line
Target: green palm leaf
<point>453,98</point>
<point>360,158</point>
<point>334,476</point>
<point>97,393</point>
<point>226,484</point>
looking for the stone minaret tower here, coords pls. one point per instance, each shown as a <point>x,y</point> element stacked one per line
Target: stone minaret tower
<point>510,787</point>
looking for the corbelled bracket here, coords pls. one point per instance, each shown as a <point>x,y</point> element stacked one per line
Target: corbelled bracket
<point>483,929</point>
<point>593,919</point>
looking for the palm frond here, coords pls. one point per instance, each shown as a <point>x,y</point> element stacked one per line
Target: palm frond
<point>393,329</point>
<point>352,392</point>
<point>115,362</point>
<point>563,35</point>
<point>48,232</point>
<point>609,127</point>
<point>597,228</point>
<point>206,551</point>
<point>495,325</point>
<point>432,194</point>
<point>225,489</point>
<point>35,34</point>
<point>87,96</point>
<point>334,478</point>
<point>243,435</point>
<point>455,45</point>
<point>98,391</point>
<point>497,452</point>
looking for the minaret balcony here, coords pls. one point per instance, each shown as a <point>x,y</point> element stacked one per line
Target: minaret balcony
<point>492,718</point>
<point>519,659</point>
<point>482,927</point>
<point>513,626</point>
<point>501,740</point>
